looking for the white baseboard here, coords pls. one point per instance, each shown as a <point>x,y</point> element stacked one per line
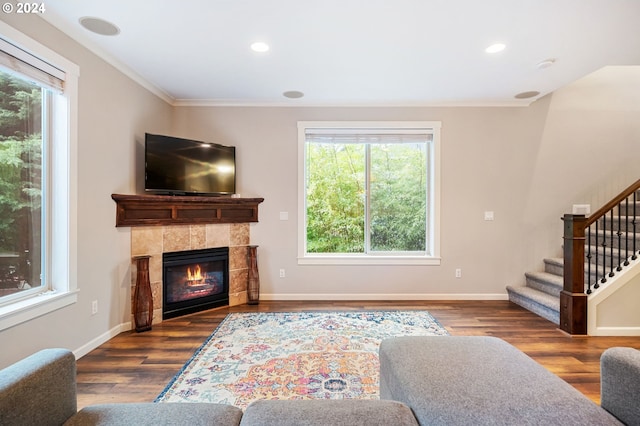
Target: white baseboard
<point>615,331</point>
<point>103,338</point>
<point>368,296</point>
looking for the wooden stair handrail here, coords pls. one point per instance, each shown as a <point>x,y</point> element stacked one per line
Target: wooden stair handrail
<point>611,204</point>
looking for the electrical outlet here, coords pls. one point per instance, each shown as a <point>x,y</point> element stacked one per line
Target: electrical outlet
<point>458,273</point>
<point>94,307</point>
<point>282,274</point>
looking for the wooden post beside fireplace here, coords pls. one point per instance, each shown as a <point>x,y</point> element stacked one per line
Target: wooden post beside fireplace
<point>142,296</point>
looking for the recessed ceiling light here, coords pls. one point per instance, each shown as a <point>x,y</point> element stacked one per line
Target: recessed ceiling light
<point>260,46</point>
<point>545,64</point>
<point>495,48</point>
<point>99,26</point>
<point>293,94</point>
<point>527,95</point>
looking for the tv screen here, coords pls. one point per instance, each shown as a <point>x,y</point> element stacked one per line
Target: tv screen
<point>183,166</point>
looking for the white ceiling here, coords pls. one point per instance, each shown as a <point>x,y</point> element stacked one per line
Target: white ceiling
<point>356,52</point>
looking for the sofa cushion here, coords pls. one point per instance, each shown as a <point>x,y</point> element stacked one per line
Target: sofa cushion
<point>479,380</point>
<point>323,412</point>
<point>140,414</point>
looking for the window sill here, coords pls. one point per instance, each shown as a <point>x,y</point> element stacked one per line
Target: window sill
<point>33,307</point>
<point>369,260</point>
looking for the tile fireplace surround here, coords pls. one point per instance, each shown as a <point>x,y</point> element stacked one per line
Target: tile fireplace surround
<point>169,223</point>
<point>156,240</point>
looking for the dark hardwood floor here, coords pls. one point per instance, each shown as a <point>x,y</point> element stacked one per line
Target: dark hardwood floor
<point>135,367</point>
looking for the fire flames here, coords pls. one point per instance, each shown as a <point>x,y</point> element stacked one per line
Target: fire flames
<point>196,275</point>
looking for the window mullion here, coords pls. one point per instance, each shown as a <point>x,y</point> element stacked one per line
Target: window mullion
<point>367,199</point>
<point>47,182</point>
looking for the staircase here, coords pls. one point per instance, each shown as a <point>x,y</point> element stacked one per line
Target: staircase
<point>541,292</point>
<point>607,245</point>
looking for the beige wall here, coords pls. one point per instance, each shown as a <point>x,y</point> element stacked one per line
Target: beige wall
<point>484,152</point>
<point>517,162</point>
<point>114,113</point>
<point>528,165</point>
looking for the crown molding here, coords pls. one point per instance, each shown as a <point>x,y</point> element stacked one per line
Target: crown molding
<point>77,34</point>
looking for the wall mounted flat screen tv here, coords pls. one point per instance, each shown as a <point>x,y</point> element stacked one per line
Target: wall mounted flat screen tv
<point>187,167</point>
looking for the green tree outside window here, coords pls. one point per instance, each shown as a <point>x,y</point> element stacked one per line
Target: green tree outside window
<point>20,184</point>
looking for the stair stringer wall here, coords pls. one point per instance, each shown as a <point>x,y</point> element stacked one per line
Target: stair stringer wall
<point>612,310</point>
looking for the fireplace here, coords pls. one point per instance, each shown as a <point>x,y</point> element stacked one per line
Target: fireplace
<point>194,280</point>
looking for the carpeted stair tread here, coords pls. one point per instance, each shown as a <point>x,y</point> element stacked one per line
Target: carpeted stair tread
<point>557,261</point>
<point>538,302</point>
<point>554,265</point>
<point>538,296</point>
<point>608,252</point>
<point>546,282</point>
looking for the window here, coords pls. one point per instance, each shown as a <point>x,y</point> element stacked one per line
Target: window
<point>369,192</point>
<point>21,160</point>
<point>38,98</point>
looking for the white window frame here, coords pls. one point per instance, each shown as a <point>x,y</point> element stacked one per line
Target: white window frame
<point>60,194</point>
<point>305,258</point>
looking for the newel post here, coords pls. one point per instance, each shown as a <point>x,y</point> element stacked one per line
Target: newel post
<point>573,300</point>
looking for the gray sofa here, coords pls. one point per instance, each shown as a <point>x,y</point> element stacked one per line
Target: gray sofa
<point>41,390</point>
<point>477,380</point>
<point>424,380</point>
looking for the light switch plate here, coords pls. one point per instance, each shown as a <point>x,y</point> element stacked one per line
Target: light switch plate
<point>584,209</point>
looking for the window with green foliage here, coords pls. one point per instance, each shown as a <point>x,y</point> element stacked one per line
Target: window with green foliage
<point>21,151</point>
<point>369,190</point>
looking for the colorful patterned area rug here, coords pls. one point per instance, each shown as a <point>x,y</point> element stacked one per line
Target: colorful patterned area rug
<point>303,355</point>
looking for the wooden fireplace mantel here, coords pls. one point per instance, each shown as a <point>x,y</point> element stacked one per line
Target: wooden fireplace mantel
<point>151,210</point>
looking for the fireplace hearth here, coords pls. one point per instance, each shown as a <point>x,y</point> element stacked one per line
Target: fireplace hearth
<point>194,280</point>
